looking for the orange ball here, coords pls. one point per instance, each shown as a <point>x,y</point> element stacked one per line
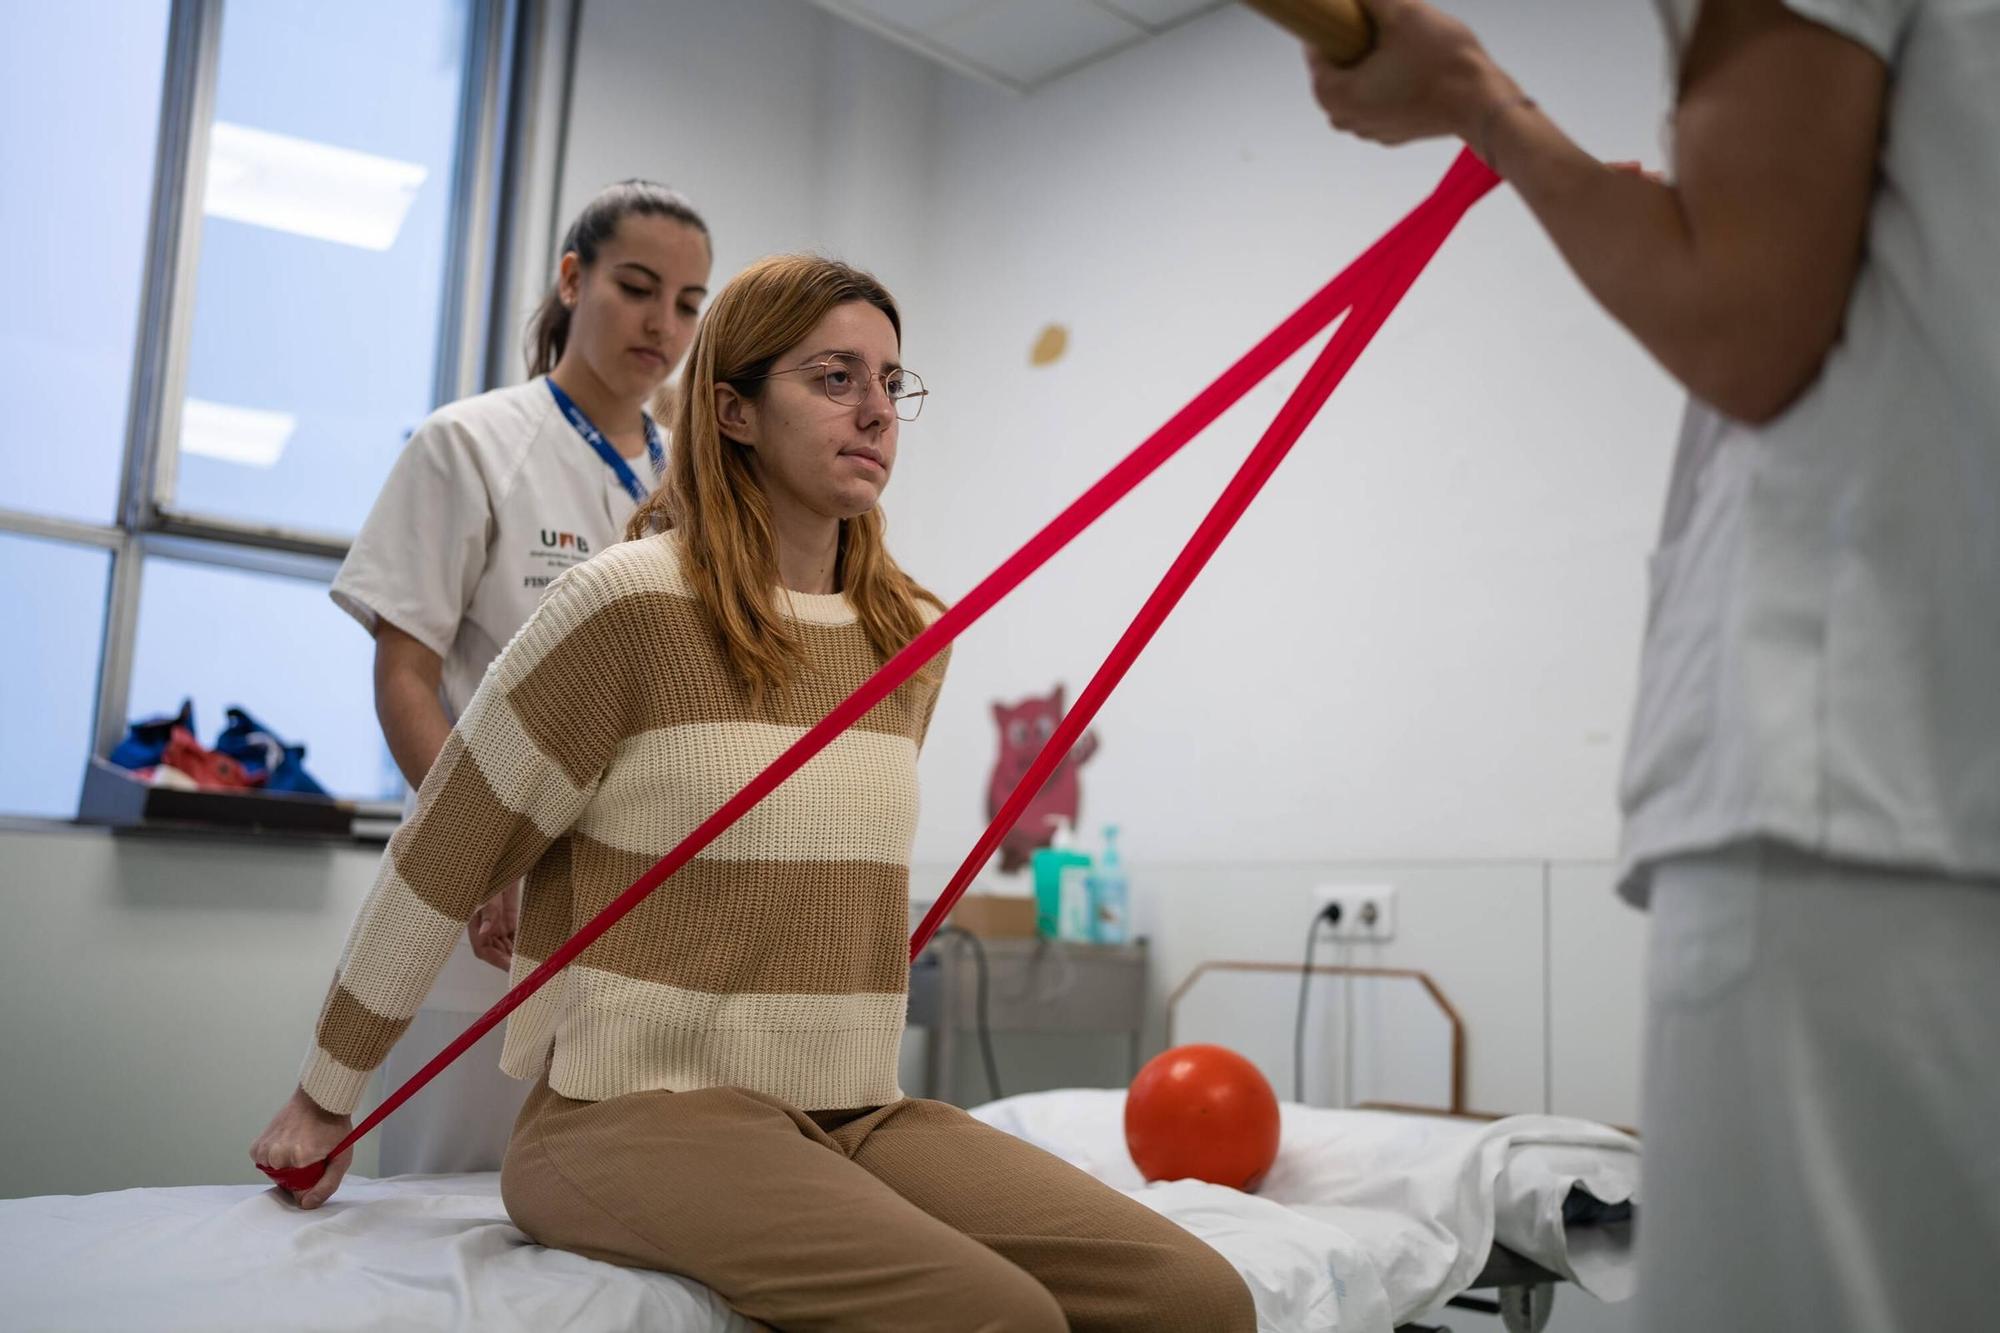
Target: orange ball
<point>1202,1113</point>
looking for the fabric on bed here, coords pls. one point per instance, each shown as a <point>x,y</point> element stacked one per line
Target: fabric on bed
<point>419,1252</point>
<point>1408,1206</point>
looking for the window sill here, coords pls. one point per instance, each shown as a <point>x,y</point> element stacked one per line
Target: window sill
<point>366,832</point>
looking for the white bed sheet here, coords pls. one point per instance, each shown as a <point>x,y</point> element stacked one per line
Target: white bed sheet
<point>1366,1220</point>
<point>413,1252</point>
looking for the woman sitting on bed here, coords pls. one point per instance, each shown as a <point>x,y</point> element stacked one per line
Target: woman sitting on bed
<point>716,1088</point>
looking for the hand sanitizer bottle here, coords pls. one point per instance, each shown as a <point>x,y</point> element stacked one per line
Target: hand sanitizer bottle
<point>1051,864</point>
<point>1110,895</point>
<point>1073,891</point>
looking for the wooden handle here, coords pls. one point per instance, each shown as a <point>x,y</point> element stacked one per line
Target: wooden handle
<point>1340,28</point>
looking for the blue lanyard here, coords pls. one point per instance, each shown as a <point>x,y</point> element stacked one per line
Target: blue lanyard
<point>594,437</point>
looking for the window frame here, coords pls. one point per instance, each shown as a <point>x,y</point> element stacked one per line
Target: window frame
<point>513,118</point>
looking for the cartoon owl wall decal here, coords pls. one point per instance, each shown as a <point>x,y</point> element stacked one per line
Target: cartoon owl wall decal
<point>1024,728</point>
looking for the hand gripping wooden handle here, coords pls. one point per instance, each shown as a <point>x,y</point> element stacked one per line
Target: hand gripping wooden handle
<point>1341,28</point>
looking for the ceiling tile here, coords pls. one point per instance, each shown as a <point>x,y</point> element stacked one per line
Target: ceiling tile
<point>919,16</point>
<point>1028,41</point>
<point>1160,15</point>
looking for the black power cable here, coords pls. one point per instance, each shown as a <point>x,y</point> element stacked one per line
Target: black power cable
<point>1331,915</point>
<point>980,1008</point>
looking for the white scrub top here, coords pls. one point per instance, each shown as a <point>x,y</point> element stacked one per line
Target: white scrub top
<point>493,497</point>
<point>1822,658</point>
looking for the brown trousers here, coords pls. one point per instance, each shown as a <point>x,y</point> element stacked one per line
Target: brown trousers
<point>910,1216</point>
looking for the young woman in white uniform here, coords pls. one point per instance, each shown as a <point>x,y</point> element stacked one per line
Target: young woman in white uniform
<point>493,498</point>
<point>1812,788</point>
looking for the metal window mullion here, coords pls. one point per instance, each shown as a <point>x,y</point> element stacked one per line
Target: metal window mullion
<point>121,632</point>
<point>180,172</point>
<point>60,529</point>
<point>308,566</point>
<point>268,537</point>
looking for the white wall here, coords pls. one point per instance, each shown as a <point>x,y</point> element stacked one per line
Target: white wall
<point>1540,959</point>
<point>789,129</point>
<point>159,996</point>
<point>1421,642</point>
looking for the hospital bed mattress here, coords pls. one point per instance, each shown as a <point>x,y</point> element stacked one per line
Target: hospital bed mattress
<point>1366,1220</point>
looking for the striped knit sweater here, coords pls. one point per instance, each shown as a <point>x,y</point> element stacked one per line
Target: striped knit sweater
<point>605,732</point>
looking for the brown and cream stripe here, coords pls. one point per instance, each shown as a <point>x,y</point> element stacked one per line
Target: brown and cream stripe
<point>605,732</point>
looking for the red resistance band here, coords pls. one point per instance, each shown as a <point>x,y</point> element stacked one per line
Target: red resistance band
<point>1366,291</point>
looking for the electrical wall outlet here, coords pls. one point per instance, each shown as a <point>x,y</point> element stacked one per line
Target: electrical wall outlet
<point>1367,912</point>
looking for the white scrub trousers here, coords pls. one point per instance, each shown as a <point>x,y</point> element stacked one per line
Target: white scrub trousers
<point>1822,1100</point>
<point>462,1119</point>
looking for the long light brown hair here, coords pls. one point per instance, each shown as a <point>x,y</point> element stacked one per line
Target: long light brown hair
<point>711,496</point>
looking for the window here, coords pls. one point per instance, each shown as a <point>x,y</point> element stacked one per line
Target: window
<point>76,238</point>
<point>325,234</point>
<point>272,644</point>
<point>48,687</point>
<point>257,240</point>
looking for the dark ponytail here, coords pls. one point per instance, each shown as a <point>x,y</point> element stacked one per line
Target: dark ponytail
<point>548,330</point>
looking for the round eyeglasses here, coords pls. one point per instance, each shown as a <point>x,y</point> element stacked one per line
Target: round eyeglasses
<point>845,378</point>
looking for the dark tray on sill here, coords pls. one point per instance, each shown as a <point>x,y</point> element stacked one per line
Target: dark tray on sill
<point>113,797</point>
